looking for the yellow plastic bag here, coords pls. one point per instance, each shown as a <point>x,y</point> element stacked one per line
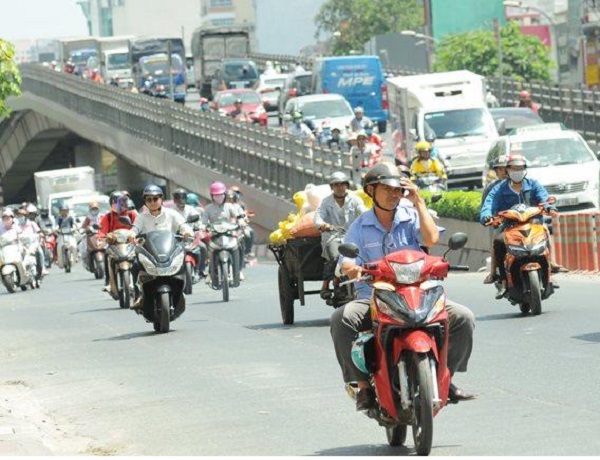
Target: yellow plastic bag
<point>363,196</point>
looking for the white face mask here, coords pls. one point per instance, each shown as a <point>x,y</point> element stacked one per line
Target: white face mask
<point>517,176</point>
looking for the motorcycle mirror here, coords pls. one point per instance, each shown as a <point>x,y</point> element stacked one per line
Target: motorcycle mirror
<point>457,241</point>
<point>349,250</point>
<point>48,224</point>
<point>95,226</point>
<point>125,220</point>
<point>194,218</point>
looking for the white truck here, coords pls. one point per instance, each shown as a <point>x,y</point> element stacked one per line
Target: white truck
<point>112,59</point>
<point>452,106</point>
<point>55,187</point>
<point>78,51</point>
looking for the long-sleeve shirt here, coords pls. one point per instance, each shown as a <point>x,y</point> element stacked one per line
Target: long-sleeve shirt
<point>168,220</point>
<point>431,166</point>
<point>330,212</point>
<point>226,212</point>
<point>375,242</point>
<point>110,222</point>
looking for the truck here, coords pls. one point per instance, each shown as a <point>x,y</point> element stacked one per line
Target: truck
<point>210,46</point>
<point>452,107</point>
<point>78,51</point>
<point>55,187</point>
<point>140,47</point>
<point>112,59</point>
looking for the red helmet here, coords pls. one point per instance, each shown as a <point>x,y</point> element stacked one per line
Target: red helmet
<point>525,95</point>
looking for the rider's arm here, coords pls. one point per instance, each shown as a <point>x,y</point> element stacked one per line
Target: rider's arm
<point>439,169</point>
<point>487,208</point>
<point>429,231</point>
<point>540,193</point>
<point>179,224</point>
<point>320,215</point>
<point>346,265</point>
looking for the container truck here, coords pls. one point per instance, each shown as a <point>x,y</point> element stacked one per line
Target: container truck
<point>53,188</point>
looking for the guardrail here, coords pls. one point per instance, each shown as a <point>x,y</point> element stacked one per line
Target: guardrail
<point>268,160</point>
<point>575,107</point>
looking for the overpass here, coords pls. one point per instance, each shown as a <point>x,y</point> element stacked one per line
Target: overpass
<point>70,121</point>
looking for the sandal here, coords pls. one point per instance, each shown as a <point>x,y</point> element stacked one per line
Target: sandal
<point>490,279</point>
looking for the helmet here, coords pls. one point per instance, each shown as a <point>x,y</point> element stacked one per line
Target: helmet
<point>232,196</point>
<point>525,95</point>
<point>64,207</point>
<point>430,137</point>
<point>361,133</point>
<point>152,190</point>
<point>516,160</point>
<point>238,101</point>
<point>369,125</point>
<point>339,177</point>
<point>31,209</point>
<point>44,212</point>
<point>423,145</point>
<point>359,109</point>
<point>8,212</point>
<point>218,188</point>
<point>236,189</point>
<point>179,193</point>
<point>114,197</point>
<point>192,199</point>
<point>94,204</point>
<point>326,124</point>
<point>382,173</point>
<point>499,161</point>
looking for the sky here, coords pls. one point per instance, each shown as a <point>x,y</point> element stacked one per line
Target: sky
<point>28,19</point>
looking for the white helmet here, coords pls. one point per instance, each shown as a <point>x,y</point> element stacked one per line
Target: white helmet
<point>32,209</point>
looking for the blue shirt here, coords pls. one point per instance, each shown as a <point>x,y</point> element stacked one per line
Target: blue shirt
<point>503,197</point>
<point>375,242</point>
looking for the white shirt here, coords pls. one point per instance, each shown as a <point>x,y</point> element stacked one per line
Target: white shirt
<point>187,211</point>
<point>168,220</point>
<point>300,131</point>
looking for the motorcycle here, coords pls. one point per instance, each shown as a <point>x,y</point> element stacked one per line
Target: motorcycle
<point>48,243</point>
<point>224,255</point>
<point>406,352</point>
<point>121,256</point>
<point>66,248</point>
<point>195,257</point>
<point>13,267</point>
<point>527,259</point>
<point>31,247</point>
<point>431,183</point>
<point>93,259</point>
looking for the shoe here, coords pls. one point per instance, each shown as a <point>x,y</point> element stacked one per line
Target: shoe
<point>242,277</point>
<point>137,305</point>
<point>501,292</point>
<point>106,288</point>
<point>365,399</point>
<point>455,394</point>
<point>325,294</point>
<point>555,268</point>
<point>490,278</point>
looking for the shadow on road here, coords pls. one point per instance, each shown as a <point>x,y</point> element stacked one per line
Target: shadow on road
<point>366,450</point>
<point>298,324</point>
<point>499,316</point>
<point>98,309</point>
<point>134,335</point>
<point>591,337</point>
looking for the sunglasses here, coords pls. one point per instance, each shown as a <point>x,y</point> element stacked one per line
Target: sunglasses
<point>152,199</point>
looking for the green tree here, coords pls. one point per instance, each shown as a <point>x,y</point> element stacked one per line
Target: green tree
<point>10,77</point>
<point>524,58</point>
<point>355,22</point>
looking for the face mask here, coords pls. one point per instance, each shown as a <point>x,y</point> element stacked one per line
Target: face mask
<point>21,220</point>
<point>218,199</point>
<point>369,131</point>
<point>517,176</point>
<point>327,132</point>
<point>94,212</point>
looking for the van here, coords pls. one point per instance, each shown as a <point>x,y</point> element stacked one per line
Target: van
<point>359,79</point>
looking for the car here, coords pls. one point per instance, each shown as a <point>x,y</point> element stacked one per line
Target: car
<point>558,158</point>
<point>320,107</point>
<point>79,206</point>
<point>269,87</point>
<point>515,117</point>
<point>224,102</point>
<point>296,84</point>
<point>235,74</point>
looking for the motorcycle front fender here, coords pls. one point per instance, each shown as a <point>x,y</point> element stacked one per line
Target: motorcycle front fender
<point>8,269</point>
<point>417,341</point>
<point>223,256</point>
<point>163,288</point>
<point>124,266</point>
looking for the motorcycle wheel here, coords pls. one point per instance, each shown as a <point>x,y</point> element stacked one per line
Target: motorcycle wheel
<point>396,436</point>
<point>98,268</point>
<point>535,293</point>
<point>524,307</point>
<point>23,287</point>
<point>67,260</point>
<point>125,292</point>
<point>48,258</point>
<point>9,283</point>
<point>188,278</point>
<point>164,320</point>
<point>286,296</point>
<point>224,277</point>
<point>423,405</point>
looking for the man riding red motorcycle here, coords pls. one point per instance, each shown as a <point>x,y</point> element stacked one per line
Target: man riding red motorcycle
<point>384,229</point>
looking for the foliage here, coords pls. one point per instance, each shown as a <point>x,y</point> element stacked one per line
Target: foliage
<point>357,21</point>
<point>524,57</point>
<point>456,204</point>
<point>10,77</point>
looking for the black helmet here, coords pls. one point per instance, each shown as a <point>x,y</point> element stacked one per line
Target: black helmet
<point>179,193</point>
<point>382,173</point>
<point>114,196</point>
<point>339,177</point>
<point>152,190</point>
<point>44,212</point>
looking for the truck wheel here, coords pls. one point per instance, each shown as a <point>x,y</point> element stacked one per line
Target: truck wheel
<point>286,296</point>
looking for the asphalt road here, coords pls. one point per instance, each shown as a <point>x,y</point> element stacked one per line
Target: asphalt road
<point>80,376</point>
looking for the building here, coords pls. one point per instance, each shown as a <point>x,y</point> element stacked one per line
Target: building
<point>98,14</point>
<point>227,12</point>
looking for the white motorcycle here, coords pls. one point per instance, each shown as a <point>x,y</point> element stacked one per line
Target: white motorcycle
<point>31,247</point>
<point>66,248</point>
<point>12,267</point>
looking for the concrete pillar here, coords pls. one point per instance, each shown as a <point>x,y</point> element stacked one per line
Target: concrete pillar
<point>90,154</point>
<point>131,178</point>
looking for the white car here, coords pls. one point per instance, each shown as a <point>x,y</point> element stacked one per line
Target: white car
<point>79,206</point>
<point>269,86</point>
<point>559,159</point>
<point>320,107</point>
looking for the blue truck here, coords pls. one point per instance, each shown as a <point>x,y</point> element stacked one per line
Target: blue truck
<point>360,79</point>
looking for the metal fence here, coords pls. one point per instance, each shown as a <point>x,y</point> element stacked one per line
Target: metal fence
<point>266,159</point>
<point>575,107</point>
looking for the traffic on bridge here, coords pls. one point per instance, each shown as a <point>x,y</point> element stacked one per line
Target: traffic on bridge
<point>369,243</point>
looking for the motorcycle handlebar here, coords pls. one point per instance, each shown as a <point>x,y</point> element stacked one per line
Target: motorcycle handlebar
<point>459,268</point>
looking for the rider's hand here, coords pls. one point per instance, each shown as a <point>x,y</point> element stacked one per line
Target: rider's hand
<point>325,227</point>
<point>411,190</point>
<point>110,237</point>
<point>352,271</point>
<point>488,221</point>
<point>553,213</point>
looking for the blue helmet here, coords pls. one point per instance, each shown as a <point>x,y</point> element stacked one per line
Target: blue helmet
<point>193,199</point>
<point>152,190</point>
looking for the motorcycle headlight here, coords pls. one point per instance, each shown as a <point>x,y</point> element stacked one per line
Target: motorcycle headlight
<point>538,249</point>
<point>393,304</point>
<point>408,273</point>
<point>153,270</point>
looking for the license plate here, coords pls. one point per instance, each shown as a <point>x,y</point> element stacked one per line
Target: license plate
<point>238,84</point>
<point>567,201</point>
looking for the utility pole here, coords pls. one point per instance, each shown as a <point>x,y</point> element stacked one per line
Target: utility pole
<point>170,58</point>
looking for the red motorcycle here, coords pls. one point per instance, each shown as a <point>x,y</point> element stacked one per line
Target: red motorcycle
<point>48,244</point>
<point>406,351</point>
<point>195,257</point>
